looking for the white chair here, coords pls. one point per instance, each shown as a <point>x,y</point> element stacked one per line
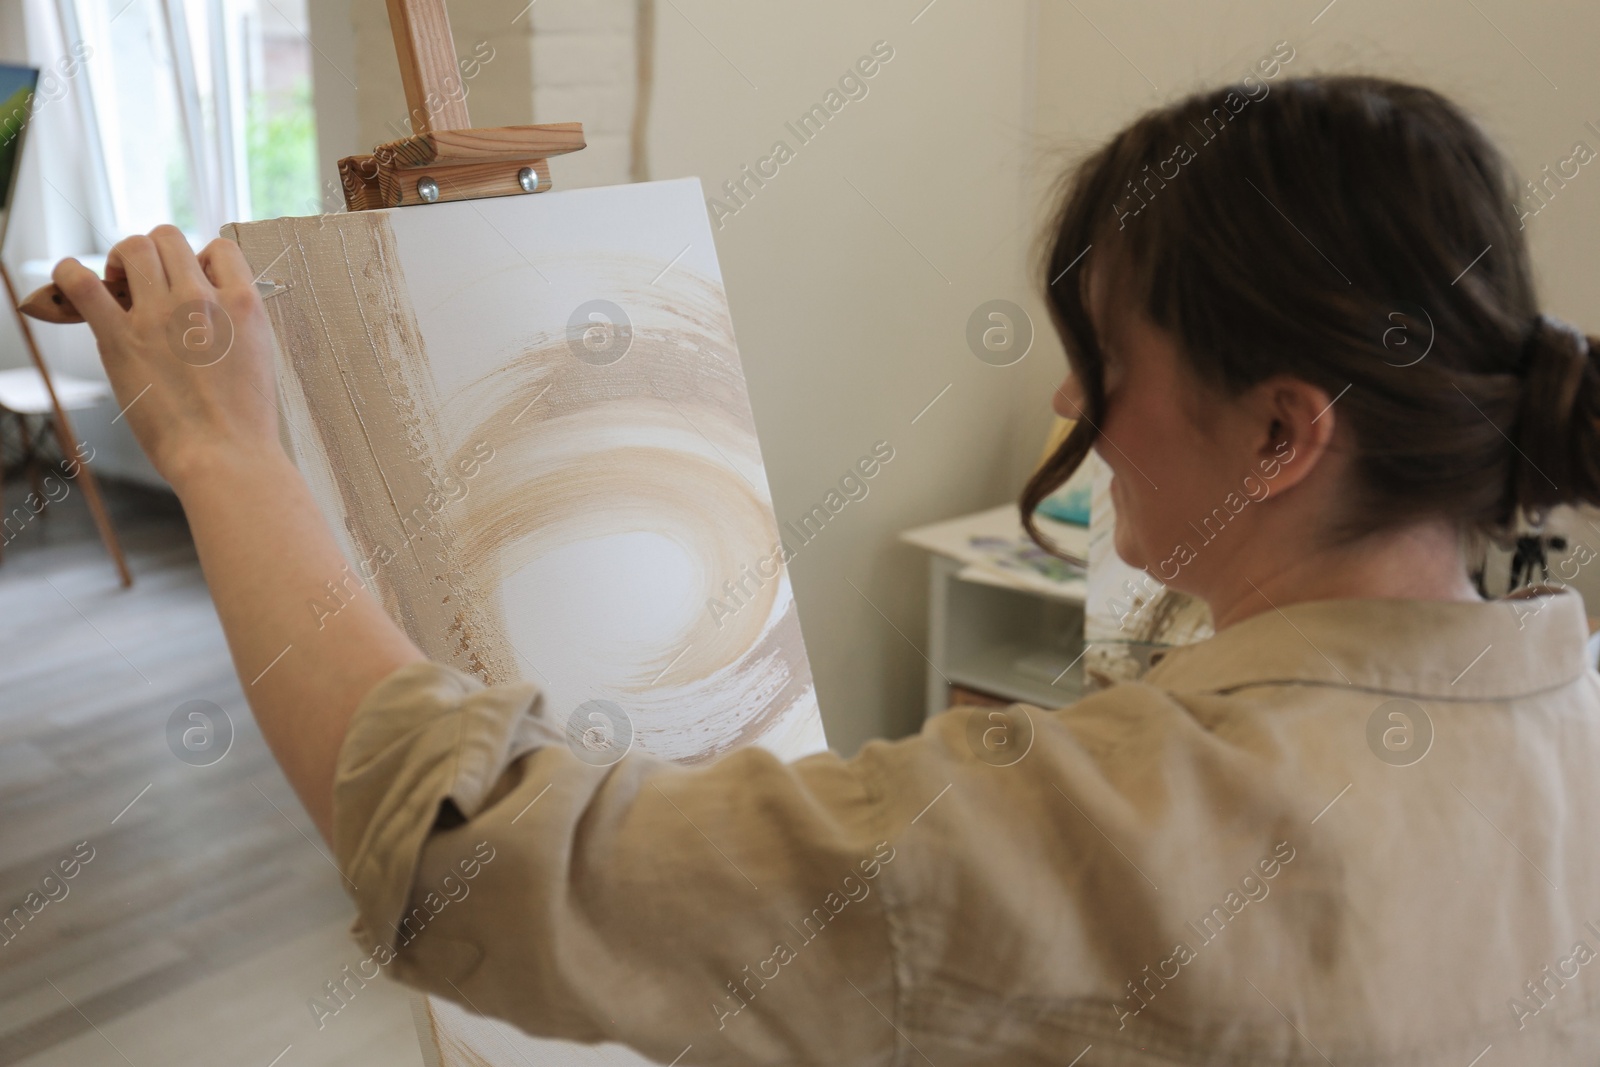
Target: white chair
<point>26,395</point>
<point>23,395</point>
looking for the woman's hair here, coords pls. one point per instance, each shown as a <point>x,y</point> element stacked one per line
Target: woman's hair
<point>1362,235</point>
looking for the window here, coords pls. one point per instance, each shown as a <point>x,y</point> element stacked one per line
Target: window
<point>203,109</point>
<point>281,138</point>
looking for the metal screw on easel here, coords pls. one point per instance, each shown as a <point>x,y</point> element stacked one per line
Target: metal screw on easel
<point>528,178</point>
<point>428,189</point>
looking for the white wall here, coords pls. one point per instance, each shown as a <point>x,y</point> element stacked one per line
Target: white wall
<point>851,275</point>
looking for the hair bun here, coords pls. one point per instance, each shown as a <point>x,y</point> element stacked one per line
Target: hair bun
<point>1558,423</point>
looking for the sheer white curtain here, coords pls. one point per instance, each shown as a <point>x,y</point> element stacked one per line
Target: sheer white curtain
<point>149,96</point>
<point>196,111</point>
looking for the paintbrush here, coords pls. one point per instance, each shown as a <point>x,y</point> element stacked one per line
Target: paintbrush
<point>50,304</point>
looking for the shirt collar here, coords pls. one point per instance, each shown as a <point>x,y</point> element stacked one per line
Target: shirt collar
<point>1439,649</point>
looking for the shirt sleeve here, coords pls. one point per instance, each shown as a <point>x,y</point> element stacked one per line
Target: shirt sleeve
<point>728,912</point>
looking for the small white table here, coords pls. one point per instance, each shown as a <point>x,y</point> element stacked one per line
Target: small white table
<point>997,630</point>
<point>23,395</point>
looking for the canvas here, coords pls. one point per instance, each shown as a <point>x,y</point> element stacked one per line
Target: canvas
<point>526,419</point>
<point>17,85</point>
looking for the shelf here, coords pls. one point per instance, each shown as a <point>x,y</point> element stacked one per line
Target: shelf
<point>988,633</point>
<point>1074,591</point>
<point>993,669</point>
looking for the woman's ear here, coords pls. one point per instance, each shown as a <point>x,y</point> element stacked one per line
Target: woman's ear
<point>1293,424</point>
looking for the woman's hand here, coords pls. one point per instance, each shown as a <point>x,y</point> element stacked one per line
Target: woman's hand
<point>191,362</point>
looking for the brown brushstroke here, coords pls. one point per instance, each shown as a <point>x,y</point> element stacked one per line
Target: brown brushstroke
<point>628,490</point>
<point>661,437</point>
<point>452,1049</point>
<point>370,413</point>
<point>783,644</point>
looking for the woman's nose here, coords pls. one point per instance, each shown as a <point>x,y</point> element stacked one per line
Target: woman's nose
<point>1068,400</point>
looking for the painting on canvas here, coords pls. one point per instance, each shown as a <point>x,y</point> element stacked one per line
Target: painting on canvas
<point>17,85</point>
<point>526,419</point>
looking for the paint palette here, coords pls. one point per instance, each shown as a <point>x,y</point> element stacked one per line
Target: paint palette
<point>527,421</point>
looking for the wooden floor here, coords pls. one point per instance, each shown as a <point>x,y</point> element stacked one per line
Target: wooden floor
<point>210,914</point>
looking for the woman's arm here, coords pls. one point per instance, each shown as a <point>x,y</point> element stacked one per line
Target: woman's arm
<point>212,432</point>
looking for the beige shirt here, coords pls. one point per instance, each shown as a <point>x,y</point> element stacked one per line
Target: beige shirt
<point>1346,832</point>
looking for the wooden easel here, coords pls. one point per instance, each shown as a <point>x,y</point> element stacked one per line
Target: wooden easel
<point>444,159</point>
<point>68,439</point>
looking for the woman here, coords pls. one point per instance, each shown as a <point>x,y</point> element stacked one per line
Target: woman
<point>1357,825</point>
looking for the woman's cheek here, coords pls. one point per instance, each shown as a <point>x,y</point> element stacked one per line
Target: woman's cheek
<point>1128,532</point>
